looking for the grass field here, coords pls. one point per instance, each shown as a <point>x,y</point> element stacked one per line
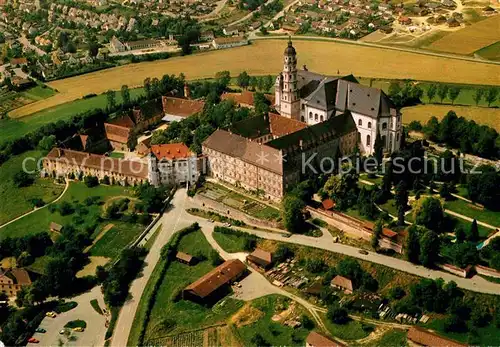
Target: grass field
<point>353,330</point>
<point>39,221</point>
<point>17,201</point>
<point>185,315</point>
<point>115,239</point>
<point>481,115</point>
<point>38,93</point>
<point>392,338</point>
<point>230,243</point>
<point>471,38</point>
<point>321,57</point>
<point>466,209</point>
<point>18,125</point>
<point>275,333</point>
<point>491,52</point>
<point>487,336</point>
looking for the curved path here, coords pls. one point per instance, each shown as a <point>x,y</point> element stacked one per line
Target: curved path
<point>38,209</point>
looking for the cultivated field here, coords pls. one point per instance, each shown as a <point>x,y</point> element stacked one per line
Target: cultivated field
<point>482,115</point>
<point>470,39</point>
<point>323,57</point>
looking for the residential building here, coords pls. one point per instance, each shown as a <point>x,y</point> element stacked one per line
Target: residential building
<point>342,283</point>
<point>209,288</point>
<point>11,281</point>
<point>313,98</point>
<point>176,109</point>
<point>229,42</point>
<point>61,162</point>
<point>315,339</point>
<point>116,45</point>
<point>184,258</point>
<point>174,163</point>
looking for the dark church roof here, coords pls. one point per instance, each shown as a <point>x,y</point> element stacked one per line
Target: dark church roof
<point>290,50</point>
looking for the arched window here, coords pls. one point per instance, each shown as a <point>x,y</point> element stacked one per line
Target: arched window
<point>369,125</point>
<point>368,140</point>
<point>321,118</point>
<point>360,122</point>
<point>302,119</point>
<point>315,116</point>
<point>384,125</point>
<point>310,115</point>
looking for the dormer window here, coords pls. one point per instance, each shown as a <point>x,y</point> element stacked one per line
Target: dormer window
<point>360,122</point>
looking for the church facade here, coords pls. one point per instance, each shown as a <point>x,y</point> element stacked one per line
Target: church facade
<point>313,98</point>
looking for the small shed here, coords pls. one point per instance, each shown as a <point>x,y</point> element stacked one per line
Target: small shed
<point>55,227</point>
<point>260,259</point>
<point>328,204</point>
<point>184,258</point>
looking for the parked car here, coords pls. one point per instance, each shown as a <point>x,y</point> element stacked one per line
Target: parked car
<point>51,314</point>
<point>32,340</point>
<point>78,329</point>
<point>62,331</point>
<point>362,251</point>
<point>40,330</point>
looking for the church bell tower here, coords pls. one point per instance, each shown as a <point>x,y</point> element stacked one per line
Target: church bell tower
<point>289,100</point>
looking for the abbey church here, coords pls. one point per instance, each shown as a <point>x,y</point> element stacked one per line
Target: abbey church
<point>312,98</point>
<point>319,118</point>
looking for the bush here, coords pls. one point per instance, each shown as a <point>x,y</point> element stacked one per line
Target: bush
<point>307,322</point>
<point>337,315</point>
<point>22,179</point>
<point>65,306</point>
<point>397,293</point>
<point>37,202</point>
<point>315,265</point>
<point>215,258</point>
<point>76,324</point>
<point>91,181</point>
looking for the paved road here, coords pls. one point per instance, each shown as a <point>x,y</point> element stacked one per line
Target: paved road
<point>476,284</point>
<point>36,209</point>
<point>171,222</point>
<point>93,334</point>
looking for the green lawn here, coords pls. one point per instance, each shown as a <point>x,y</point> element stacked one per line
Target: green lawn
<point>466,209</point>
<point>390,207</point>
<point>38,93</point>
<point>488,336</point>
<point>40,264</point>
<point>39,221</point>
<point>275,333</point>
<point>491,52</point>
<point>17,201</point>
<point>170,315</point>
<point>14,128</point>
<point>353,330</point>
<point>483,231</point>
<point>118,155</point>
<point>392,338</point>
<point>230,243</point>
<point>116,239</point>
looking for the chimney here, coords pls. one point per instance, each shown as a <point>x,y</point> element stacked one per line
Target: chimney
<point>187,91</point>
<point>300,143</point>
<point>304,67</point>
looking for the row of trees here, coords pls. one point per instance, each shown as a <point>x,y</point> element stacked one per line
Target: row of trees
<point>466,135</point>
<point>261,83</point>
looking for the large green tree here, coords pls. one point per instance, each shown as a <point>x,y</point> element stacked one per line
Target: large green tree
<point>429,213</point>
<point>293,218</point>
<point>429,248</point>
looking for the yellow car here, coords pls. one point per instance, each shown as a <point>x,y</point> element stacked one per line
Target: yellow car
<point>78,329</point>
<point>51,314</point>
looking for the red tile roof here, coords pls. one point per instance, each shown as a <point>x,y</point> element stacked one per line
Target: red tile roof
<point>245,97</point>
<point>18,61</point>
<point>389,233</point>
<point>261,257</point>
<point>21,277</point>
<point>116,133</point>
<point>223,274</point>
<point>328,204</point>
<point>171,151</point>
<point>342,282</point>
<point>181,107</point>
<point>281,126</point>
<point>129,168</point>
<point>123,121</point>
<point>317,340</point>
<point>426,338</point>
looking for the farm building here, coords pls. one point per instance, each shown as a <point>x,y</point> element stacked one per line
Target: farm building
<point>176,109</point>
<point>342,283</point>
<point>328,204</point>
<point>211,287</point>
<point>426,338</point>
<point>317,340</point>
<point>260,259</point>
<point>229,42</point>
